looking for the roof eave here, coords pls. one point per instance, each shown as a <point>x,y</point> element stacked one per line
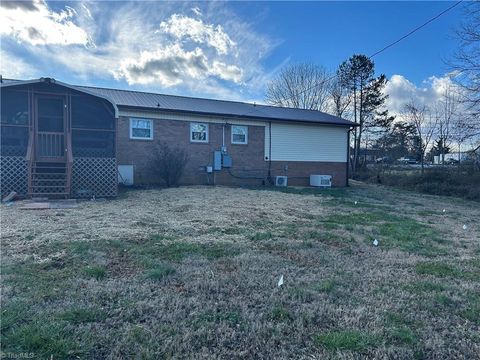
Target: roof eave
<point>244,117</point>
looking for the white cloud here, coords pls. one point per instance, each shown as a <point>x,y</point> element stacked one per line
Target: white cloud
<point>220,55</point>
<point>172,65</point>
<point>168,66</point>
<point>226,72</point>
<point>34,23</point>
<point>16,68</point>
<point>401,91</point>
<point>186,28</point>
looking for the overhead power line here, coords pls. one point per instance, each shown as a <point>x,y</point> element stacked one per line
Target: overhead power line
<point>415,30</point>
<point>410,33</point>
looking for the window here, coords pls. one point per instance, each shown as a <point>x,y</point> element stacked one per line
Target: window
<point>239,134</point>
<point>141,129</point>
<point>199,132</point>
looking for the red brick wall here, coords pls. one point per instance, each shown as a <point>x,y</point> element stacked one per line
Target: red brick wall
<point>248,160</point>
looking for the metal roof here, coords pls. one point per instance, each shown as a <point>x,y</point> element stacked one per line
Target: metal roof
<point>11,82</point>
<point>174,103</point>
<point>128,98</point>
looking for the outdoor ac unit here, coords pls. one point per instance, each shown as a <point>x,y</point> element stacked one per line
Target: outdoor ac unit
<point>280,181</point>
<point>321,180</point>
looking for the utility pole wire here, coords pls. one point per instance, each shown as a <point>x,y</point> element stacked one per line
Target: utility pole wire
<point>416,29</point>
<point>385,47</point>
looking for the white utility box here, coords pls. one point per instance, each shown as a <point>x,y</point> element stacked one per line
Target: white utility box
<point>125,174</point>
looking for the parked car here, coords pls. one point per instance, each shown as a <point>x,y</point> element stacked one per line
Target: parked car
<point>451,161</point>
<point>404,160</point>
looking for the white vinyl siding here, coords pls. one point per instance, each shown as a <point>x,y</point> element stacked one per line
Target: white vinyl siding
<point>293,142</point>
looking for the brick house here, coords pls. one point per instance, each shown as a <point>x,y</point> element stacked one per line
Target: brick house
<point>65,140</point>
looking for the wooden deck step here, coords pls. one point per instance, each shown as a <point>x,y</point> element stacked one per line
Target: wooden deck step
<point>49,179</point>
<point>50,174</point>
<point>49,167</point>
<point>50,194</point>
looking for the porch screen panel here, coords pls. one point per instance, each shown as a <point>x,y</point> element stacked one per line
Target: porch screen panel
<point>14,140</point>
<point>87,143</point>
<point>14,119</point>
<point>93,127</point>
<point>14,107</point>
<point>89,112</point>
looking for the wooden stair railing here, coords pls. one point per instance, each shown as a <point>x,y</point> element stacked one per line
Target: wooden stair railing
<point>69,163</point>
<point>29,159</point>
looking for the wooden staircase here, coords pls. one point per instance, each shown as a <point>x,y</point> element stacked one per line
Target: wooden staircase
<point>49,154</point>
<point>49,179</point>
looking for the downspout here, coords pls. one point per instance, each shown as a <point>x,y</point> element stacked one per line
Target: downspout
<point>347,173</point>
<point>224,150</point>
<point>270,152</point>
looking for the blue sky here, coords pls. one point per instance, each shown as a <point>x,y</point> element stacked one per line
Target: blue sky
<point>222,50</point>
<point>327,33</point>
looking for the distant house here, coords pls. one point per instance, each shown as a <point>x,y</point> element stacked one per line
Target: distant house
<point>368,155</point>
<point>64,140</point>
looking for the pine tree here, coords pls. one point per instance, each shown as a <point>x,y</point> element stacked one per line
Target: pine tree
<point>357,75</point>
<point>440,149</point>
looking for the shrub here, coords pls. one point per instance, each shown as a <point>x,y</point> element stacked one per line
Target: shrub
<point>170,163</point>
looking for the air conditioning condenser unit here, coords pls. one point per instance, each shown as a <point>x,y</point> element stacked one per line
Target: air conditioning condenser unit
<point>321,180</point>
<point>281,181</point>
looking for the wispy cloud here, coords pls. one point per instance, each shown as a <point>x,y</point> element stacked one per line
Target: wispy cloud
<point>205,49</point>
<point>16,67</point>
<point>196,10</point>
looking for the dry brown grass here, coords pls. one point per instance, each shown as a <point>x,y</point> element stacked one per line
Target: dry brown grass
<point>192,272</point>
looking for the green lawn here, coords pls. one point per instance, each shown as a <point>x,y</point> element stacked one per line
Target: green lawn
<point>193,271</point>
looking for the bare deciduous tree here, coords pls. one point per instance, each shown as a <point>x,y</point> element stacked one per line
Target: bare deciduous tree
<point>340,96</point>
<point>424,123</point>
<point>466,63</point>
<point>303,86</point>
<point>446,113</point>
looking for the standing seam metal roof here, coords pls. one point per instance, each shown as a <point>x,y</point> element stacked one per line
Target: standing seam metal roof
<point>153,101</point>
<point>127,98</point>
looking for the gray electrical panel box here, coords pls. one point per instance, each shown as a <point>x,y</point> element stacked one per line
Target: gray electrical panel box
<point>227,161</point>
<point>217,160</point>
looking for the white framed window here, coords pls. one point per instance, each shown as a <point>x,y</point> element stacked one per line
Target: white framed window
<point>141,129</point>
<point>239,134</point>
<point>199,132</point>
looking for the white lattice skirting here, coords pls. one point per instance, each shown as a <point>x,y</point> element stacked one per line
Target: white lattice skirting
<point>13,175</point>
<point>94,177</point>
<point>90,176</point>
